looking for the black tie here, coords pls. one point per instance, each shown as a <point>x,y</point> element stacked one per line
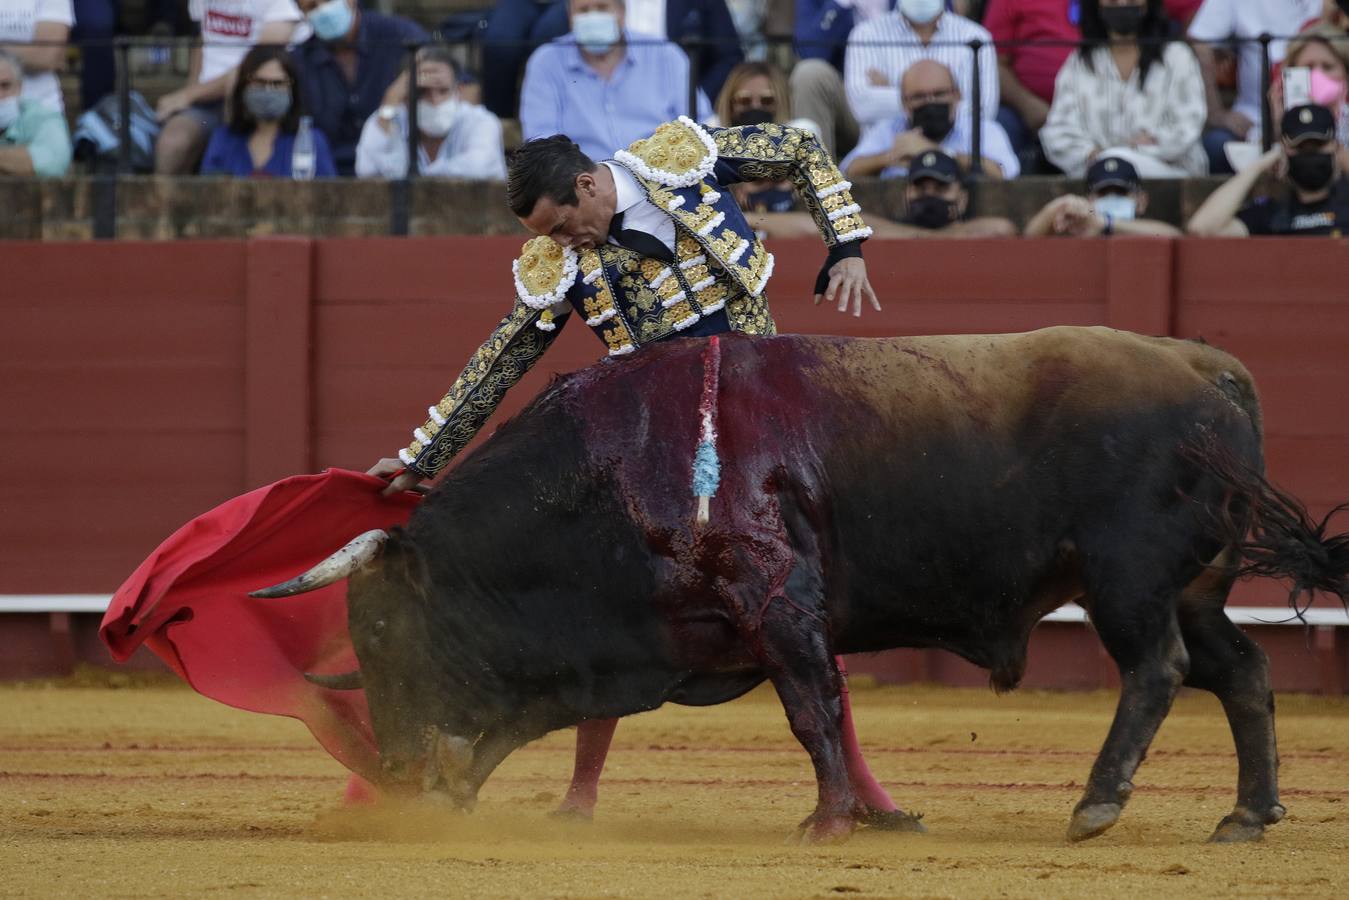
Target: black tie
<point>640,241</point>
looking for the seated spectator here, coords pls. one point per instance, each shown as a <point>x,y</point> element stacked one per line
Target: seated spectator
<point>820,36</point>
<point>1323,49</point>
<point>191,113</point>
<point>759,86</point>
<point>35,32</point>
<point>937,201</point>
<point>930,98</point>
<point>516,27</point>
<point>1114,204</point>
<point>348,67</point>
<point>600,89</point>
<point>882,50</point>
<point>1028,60</point>
<point>455,138</point>
<point>95,26</point>
<point>34,139</point>
<point>264,114</point>
<point>1244,21</point>
<point>1127,94</point>
<point>1317,200</point>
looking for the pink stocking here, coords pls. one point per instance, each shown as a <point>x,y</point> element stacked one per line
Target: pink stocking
<point>864,784</point>
<point>593,737</point>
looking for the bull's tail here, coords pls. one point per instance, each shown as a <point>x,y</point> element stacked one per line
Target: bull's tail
<point>1273,532</point>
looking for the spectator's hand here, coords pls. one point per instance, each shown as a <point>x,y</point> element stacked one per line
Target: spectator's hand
<point>1073,216</point>
<point>172,103</point>
<point>1233,121</point>
<point>400,478</point>
<point>909,144</point>
<point>1143,139</point>
<point>876,78</point>
<point>848,283</point>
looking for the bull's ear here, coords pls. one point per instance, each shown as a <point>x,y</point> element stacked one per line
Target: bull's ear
<point>347,681</point>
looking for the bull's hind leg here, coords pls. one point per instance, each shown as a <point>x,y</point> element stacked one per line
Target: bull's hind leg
<point>1234,668</point>
<point>1139,629</point>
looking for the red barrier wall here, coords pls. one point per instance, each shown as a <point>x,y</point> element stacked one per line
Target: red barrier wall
<point>145,382</point>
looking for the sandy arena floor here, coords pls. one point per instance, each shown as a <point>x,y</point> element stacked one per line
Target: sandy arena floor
<point>154,791</point>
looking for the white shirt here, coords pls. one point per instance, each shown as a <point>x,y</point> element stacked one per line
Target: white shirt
<point>645,17</point>
<point>472,149</point>
<point>1095,110</point>
<point>229,28</point>
<point>1219,20</point>
<point>638,212</point>
<point>870,46</point>
<point>18,25</point>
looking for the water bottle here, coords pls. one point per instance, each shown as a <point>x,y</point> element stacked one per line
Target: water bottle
<point>302,156</point>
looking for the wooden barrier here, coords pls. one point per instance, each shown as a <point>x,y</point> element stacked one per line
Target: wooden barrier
<point>146,382</point>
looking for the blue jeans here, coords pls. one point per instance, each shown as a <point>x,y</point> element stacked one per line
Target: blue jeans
<point>1213,139</point>
<point>514,29</point>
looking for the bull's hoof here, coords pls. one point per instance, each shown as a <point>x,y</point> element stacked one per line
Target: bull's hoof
<point>825,829</point>
<point>1232,831</point>
<point>892,820</point>
<point>1090,821</point>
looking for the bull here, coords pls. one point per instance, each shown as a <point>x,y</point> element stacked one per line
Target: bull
<point>940,492</point>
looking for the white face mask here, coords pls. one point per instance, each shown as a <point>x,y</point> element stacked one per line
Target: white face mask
<point>9,112</point>
<point>921,11</point>
<point>595,31</point>
<point>1120,207</point>
<point>436,119</point>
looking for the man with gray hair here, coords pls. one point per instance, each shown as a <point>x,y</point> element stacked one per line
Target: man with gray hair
<point>34,139</point>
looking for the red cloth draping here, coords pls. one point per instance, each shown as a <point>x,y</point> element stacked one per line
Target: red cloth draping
<point>188,604</point>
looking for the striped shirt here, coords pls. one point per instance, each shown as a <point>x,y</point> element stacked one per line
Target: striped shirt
<point>877,44</point>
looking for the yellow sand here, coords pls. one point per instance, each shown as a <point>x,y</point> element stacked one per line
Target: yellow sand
<point>154,791</point>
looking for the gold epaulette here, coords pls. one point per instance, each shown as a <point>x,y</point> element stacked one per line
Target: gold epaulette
<point>544,272</point>
<point>679,154</point>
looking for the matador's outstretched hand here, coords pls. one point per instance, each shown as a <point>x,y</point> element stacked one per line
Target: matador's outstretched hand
<point>848,283</point>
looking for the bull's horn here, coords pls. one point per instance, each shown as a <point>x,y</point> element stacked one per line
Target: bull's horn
<point>347,681</point>
<point>361,550</point>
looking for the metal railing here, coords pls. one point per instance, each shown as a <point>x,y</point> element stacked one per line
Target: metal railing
<point>104,200</point>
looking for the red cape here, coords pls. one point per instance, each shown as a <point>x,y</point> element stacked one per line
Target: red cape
<point>188,604</point>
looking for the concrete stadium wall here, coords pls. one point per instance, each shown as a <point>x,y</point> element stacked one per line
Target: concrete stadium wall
<point>144,382</point>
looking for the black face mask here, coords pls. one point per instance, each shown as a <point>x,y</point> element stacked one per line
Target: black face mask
<point>931,211</point>
<point>1311,171</point>
<point>1123,19</point>
<point>934,120</point>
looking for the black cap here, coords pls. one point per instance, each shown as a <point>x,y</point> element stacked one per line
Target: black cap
<point>934,164</point>
<point>1111,171</point>
<point>1308,123</point>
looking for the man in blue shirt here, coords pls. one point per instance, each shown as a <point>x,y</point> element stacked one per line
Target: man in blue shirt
<point>347,67</point>
<point>602,86</point>
<point>931,98</point>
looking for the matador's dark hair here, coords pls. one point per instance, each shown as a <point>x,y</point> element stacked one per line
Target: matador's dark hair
<point>545,167</point>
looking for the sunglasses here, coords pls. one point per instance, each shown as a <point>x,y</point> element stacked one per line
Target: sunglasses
<point>271,84</point>
<point>762,101</point>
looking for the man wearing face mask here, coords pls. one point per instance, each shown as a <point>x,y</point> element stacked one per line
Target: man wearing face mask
<point>930,97</point>
<point>1114,204</point>
<point>936,202</point>
<point>348,68</point>
<point>602,86</point>
<point>34,139</point>
<point>455,139</point>
<point>882,49</point>
<point>1317,202</point>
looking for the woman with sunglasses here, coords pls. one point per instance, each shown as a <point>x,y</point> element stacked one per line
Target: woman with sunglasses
<point>264,114</point>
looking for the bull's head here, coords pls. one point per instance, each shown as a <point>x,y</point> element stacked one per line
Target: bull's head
<point>419,735</point>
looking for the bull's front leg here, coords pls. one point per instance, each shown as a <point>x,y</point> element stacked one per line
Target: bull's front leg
<point>796,657</point>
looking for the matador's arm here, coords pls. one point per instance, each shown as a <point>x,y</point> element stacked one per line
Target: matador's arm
<point>502,360</point>
<point>781,152</point>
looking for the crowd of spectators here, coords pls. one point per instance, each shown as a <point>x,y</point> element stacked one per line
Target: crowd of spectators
<point>937,91</point>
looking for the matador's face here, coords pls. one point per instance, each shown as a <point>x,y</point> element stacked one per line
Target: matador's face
<point>580,226</point>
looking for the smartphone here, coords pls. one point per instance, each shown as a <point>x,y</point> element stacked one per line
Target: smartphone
<point>1297,86</point>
